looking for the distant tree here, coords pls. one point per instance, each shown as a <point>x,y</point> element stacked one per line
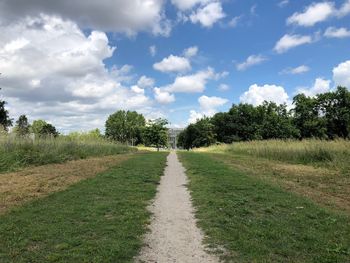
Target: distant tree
<point>5,120</point>
<point>156,134</point>
<point>187,137</point>
<point>37,126</point>
<point>22,126</point>
<point>275,122</point>
<point>335,109</point>
<point>43,129</point>
<point>224,127</point>
<point>306,117</point>
<point>125,126</point>
<point>49,130</point>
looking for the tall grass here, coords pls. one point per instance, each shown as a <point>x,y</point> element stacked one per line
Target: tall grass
<point>331,153</point>
<point>20,152</point>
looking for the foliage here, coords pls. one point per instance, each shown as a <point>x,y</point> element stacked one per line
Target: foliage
<point>156,134</point>
<point>326,116</point>
<point>22,126</point>
<point>5,120</point>
<point>42,129</point>
<point>197,135</point>
<point>101,219</point>
<point>125,126</point>
<point>21,152</point>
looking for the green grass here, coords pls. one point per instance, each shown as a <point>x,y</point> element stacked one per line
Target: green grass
<point>253,221</point>
<point>17,153</point>
<point>97,220</point>
<point>332,154</point>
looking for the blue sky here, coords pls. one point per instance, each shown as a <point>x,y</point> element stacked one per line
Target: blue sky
<point>92,56</point>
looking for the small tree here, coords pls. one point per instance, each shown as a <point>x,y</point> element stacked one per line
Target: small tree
<point>49,130</point>
<point>22,126</point>
<point>156,134</point>
<point>5,120</point>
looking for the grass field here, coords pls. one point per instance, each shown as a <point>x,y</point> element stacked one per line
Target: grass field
<point>101,219</point>
<point>332,154</point>
<point>248,218</point>
<point>17,153</point>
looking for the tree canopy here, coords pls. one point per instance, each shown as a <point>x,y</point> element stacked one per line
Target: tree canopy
<point>5,120</point>
<point>125,126</point>
<point>156,134</point>
<point>325,116</point>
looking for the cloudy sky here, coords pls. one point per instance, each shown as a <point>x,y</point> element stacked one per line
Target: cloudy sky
<point>73,63</point>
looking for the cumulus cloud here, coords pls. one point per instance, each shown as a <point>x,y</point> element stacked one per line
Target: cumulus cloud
<point>332,32</point>
<point>291,41</point>
<point>194,83</point>
<point>283,3</point>
<point>208,15</point>
<point>208,107</point>
<point>318,12</point>
<point>256,94</point>
<point>129,16</point>
<point>163,96</point>
<point>191,52</point>
<point>298,70</point>
<point>145,82</point>
<point>223,87</point>
<point>184,5</point>
<point>315,13</point>
<point>341,74</point>
<point>251,61</point>
<point>52,70</point>
<point>173,64</point>
<point>320,86</point>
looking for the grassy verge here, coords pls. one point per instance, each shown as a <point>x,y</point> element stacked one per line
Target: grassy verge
<point>101,219</point>
<point>330,154</point>
<point>250,220</point>
<point>17,153</point>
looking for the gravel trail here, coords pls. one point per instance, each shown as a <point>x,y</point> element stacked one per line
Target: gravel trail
<point>174,236</point>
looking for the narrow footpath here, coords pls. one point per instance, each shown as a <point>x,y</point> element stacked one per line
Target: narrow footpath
<point>174,236</point>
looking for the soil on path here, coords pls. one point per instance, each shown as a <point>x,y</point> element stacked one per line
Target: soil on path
<point>174,236</point>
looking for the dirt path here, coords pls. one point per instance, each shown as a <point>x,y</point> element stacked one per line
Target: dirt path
<point>173,236</point>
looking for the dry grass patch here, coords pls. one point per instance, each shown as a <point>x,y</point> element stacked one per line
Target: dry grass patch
<point>327,187</point>
<point>19,187</point>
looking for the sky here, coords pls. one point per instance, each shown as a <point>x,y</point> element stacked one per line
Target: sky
<point>73,63</point>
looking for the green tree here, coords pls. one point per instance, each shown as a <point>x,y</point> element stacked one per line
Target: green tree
<point>156,134</point>
<point>306,117</point>
<point>22,126</point>
<point>125,126</point>
<point>49,130</point>
<point>5,120</point>
<point>37,126</point>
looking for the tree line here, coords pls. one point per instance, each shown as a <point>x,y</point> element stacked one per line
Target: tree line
<point>325,116</point>
<point>132,128</point>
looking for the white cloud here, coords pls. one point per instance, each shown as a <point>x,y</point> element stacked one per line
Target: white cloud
<point>194,116</point>
<point>51,70</point>
<point>341,74</point>
<point>283,3</point>
<point>191,52</point>
<point>256,94</point>
<point>184,5</point>
<point>163,97</point>
<point>290,41</point>
<point>320,86</point>
<point>298,70</point>
<point>251,61</point>
<point>208,15</point>
<point>315,13</point>
<point>153,50</point>
<point>145,82</point>
<point>129,16</point>
<point>223,87</point>
<point>332,32</point>
<point>208,107</point>
<point>136,89</point>
<point>344,9</point>
<point>173,64</point>
<point>234,21</point>
<point>194,83</point>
